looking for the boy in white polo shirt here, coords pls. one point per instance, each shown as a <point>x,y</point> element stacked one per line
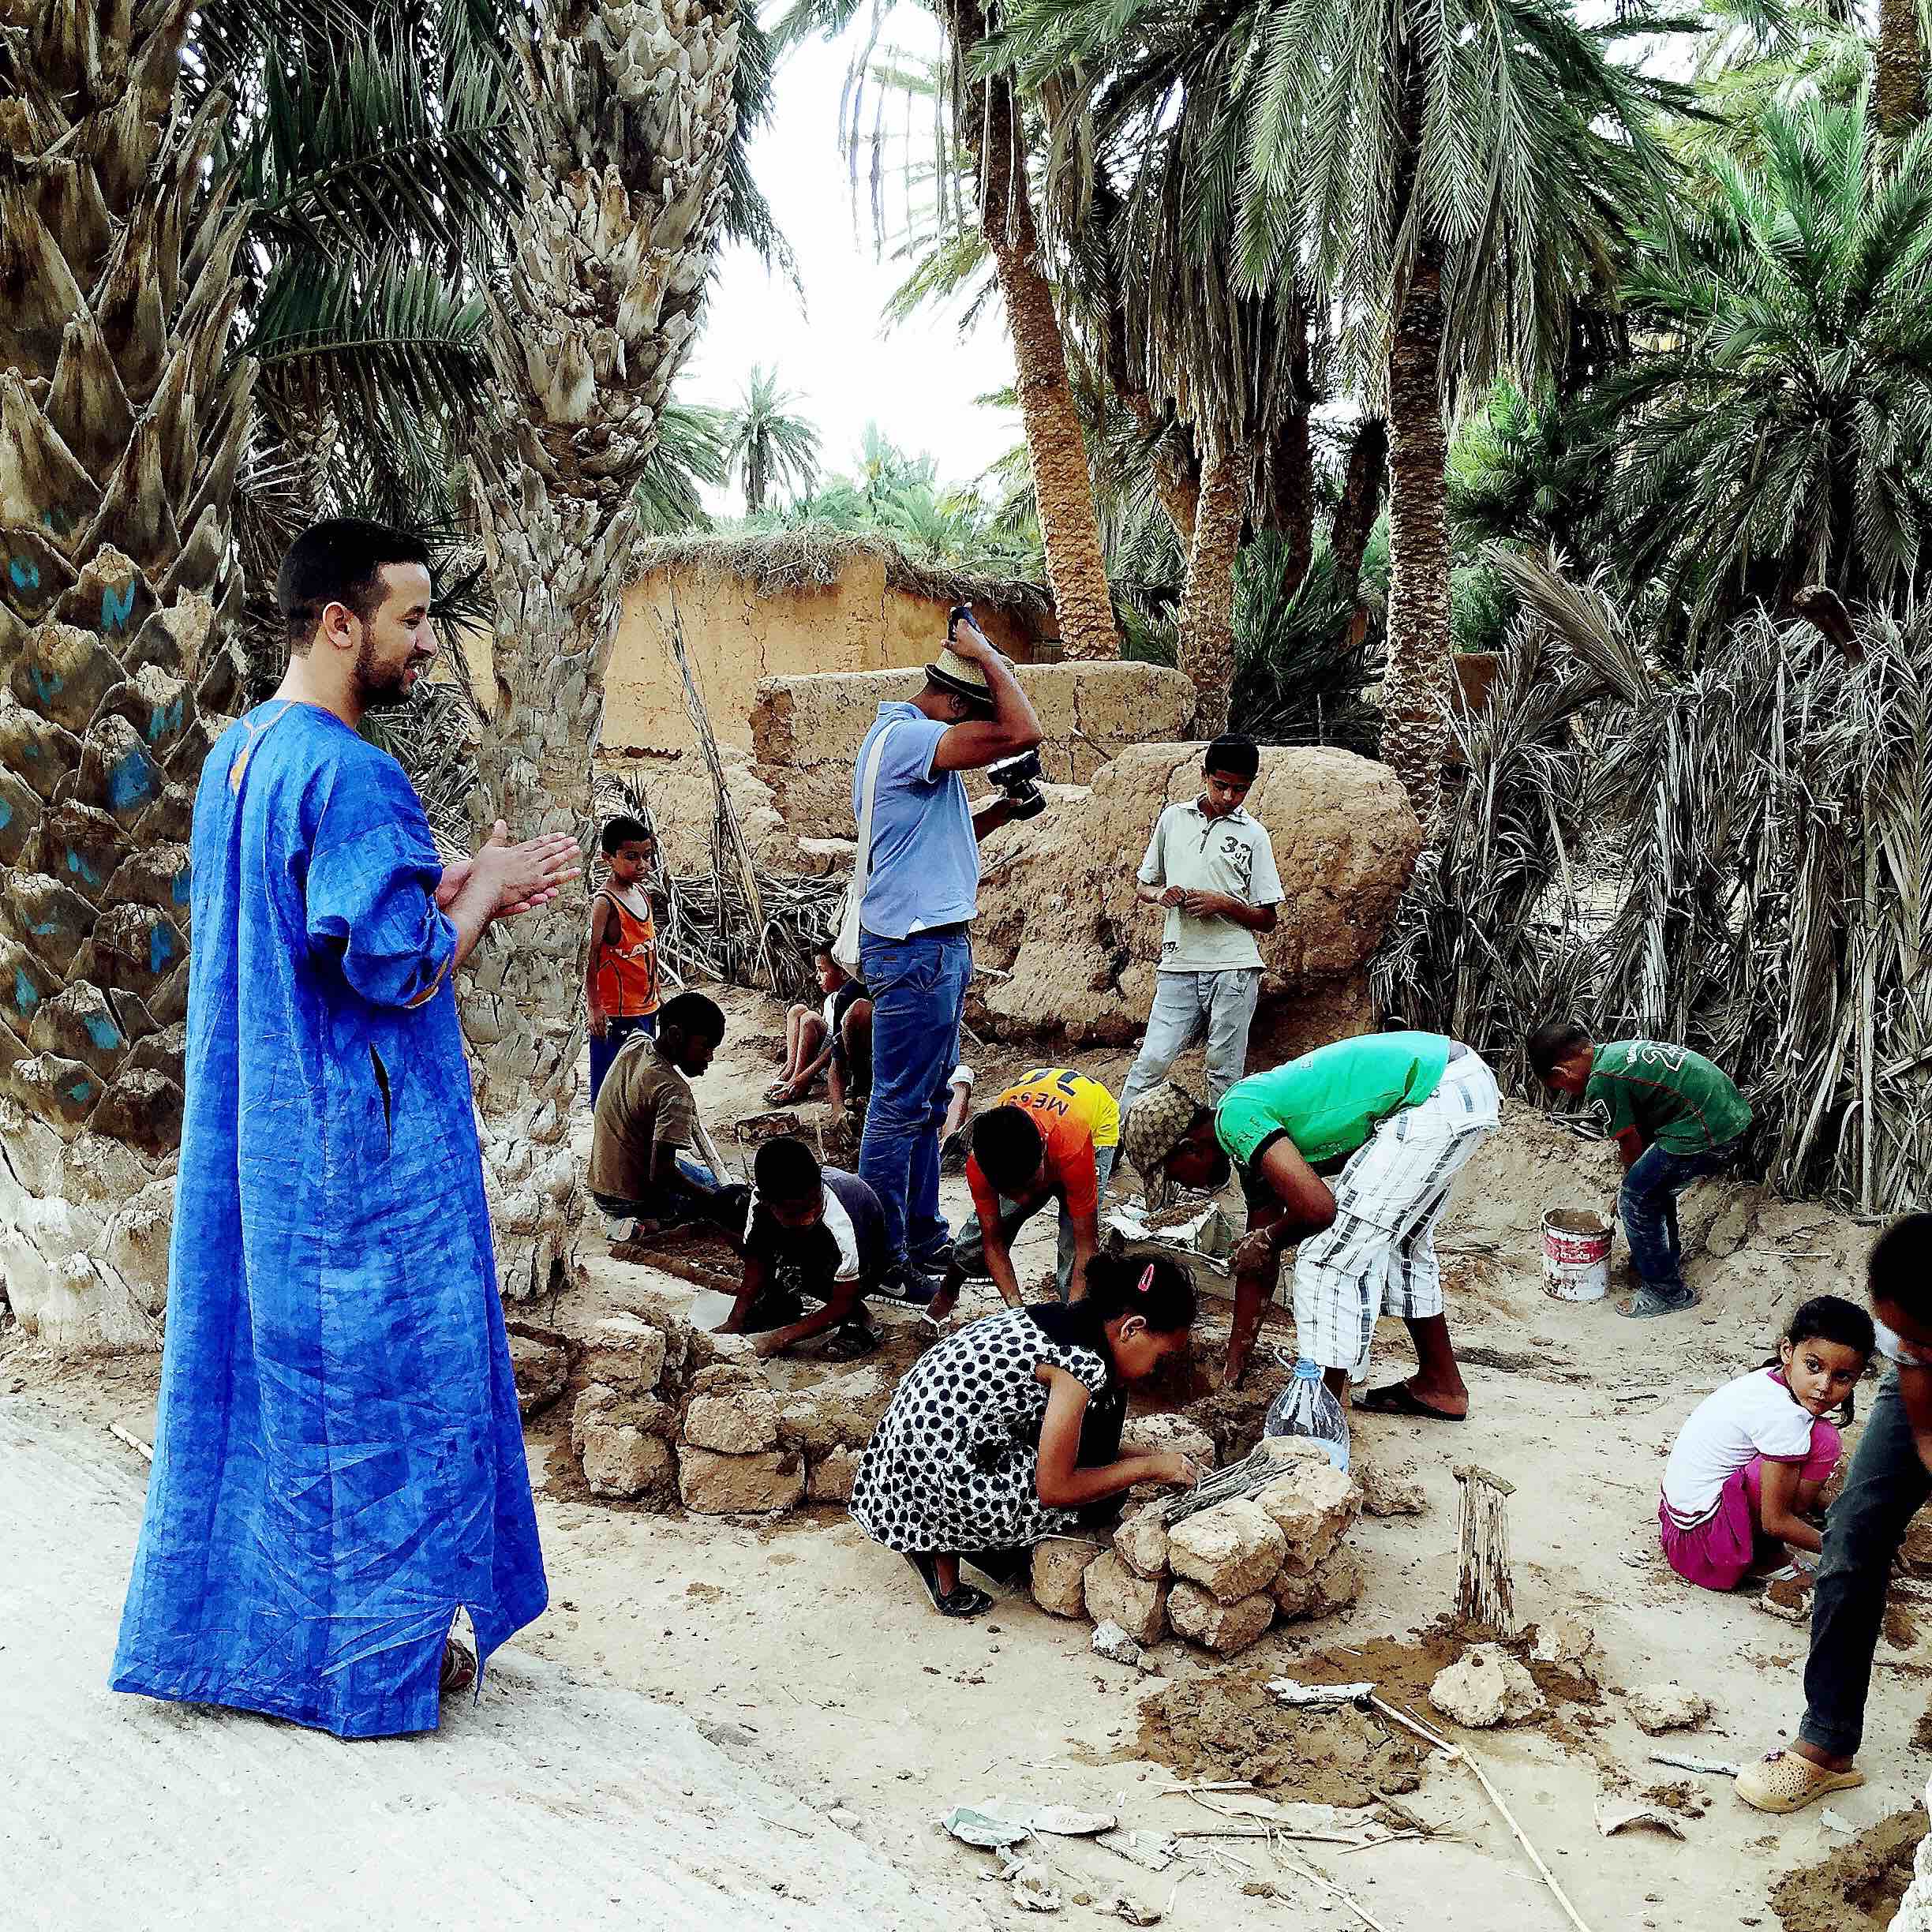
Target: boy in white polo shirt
<point>1212,868</point>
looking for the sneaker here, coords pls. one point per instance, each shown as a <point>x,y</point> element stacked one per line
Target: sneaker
<point>1648,1303</point>
<point>619,1228</point>
<point>907,1283</point>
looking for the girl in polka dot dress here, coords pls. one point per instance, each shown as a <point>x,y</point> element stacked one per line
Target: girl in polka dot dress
<point>1000,1435</point>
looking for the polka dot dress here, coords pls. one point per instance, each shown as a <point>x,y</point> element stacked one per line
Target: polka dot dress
<point>951,1465</point>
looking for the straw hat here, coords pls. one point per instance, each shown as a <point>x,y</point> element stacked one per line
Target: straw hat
<point>960,676</point>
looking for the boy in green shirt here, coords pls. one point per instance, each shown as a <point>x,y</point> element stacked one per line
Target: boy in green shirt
<point>1674,1117</point>
<point>1349,1151</point>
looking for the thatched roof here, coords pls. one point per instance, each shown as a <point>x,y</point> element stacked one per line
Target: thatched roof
<point>776,561</point>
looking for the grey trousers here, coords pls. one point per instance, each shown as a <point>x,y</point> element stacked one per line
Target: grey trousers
<point>1187,1006</point>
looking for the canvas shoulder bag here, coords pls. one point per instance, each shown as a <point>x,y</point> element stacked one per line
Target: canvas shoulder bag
<point>845,946</point>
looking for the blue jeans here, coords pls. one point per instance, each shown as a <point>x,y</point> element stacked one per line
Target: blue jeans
<point>969,1250</point>
<point>918,992</point>
<point>1884,1488</point>
<point>1648,1203</point>
<point>603,1051</point>
<point>1188,1005</point>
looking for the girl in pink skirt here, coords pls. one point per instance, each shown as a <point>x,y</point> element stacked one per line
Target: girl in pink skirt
<point>1753,1459</point>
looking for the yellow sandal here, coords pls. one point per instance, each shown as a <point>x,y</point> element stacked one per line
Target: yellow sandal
<point>1782,1781</point>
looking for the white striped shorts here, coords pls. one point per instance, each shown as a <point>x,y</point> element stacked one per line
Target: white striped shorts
<point>1379,1256</point>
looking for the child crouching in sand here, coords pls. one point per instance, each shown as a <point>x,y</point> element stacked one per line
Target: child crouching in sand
<point>1754,1456</point>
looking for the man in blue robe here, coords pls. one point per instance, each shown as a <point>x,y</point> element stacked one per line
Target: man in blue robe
<point>338,1465</point>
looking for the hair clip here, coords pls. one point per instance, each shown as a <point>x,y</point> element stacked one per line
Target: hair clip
<point>1146,1280</point>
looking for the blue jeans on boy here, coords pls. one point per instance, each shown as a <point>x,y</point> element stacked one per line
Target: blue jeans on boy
<point>1885,1487</point>
<point>694,1197</point>
<point>918,992</point>
<point>1648,1203</point>
<point>1186,1006</point>
<point>604,1052</point>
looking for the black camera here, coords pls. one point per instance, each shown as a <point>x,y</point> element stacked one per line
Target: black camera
<point>1018,778</point>
<point>954,617</point>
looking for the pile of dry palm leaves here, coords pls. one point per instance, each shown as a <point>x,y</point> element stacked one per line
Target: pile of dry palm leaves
<point>1755,842</point>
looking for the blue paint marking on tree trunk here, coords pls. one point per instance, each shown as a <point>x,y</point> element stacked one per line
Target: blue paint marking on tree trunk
<point>25,573</point>
<point>6,814</point>
<point>81,1090</point>
<point>163,718</point>
<point>132,780</point>
<point>45,686</point>
<point>178,890</point>
<point>26,994</point>
<point>81,868</point>
<point>160,949</point>
<point>103,1031</point>
<point>116,606</point>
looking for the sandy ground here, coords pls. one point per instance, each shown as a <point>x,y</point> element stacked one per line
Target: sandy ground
<point>851,1696</point>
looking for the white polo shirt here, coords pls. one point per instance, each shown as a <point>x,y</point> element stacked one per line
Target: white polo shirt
<point>1233,855</point>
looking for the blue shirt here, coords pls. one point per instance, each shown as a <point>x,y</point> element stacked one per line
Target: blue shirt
<point>925,859</point>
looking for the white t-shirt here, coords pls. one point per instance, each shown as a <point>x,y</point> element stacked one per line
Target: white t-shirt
<point>1894,1348</point>
<point>1232,854</point>
<point>1755,1415</point>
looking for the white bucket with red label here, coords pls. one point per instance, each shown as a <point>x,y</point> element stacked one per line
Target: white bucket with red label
<point>1576,1255</point>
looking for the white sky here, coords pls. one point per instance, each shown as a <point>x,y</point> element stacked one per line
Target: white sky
<point>916,382</point>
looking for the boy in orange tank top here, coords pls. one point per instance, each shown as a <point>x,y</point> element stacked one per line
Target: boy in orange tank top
<point>620,967</point>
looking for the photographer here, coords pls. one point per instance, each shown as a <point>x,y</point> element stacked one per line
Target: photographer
<point>922,891</point>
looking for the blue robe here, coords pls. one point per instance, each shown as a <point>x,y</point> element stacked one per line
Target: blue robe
<point>338,1465</point>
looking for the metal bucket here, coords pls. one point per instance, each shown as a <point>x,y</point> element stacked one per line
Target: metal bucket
<point>1576,1255</point>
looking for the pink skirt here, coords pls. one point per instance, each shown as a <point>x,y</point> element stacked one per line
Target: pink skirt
<point>1719,1552</point>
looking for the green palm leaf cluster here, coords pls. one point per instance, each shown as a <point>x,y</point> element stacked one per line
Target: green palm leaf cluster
<point>768,444</point>
<point>1771,429</point>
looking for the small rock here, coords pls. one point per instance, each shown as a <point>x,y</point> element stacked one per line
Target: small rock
<point>1231,1550</point>
<point>713,1484</point>
<point>721,1731</point>
<point>1486,1687</point>
<point>740,1421</point>
<point>1568,1639</point>
<point>625,1353</point>
<point>1658,1708</point>
<point>541,1369</point>
<point>1059,1567</point>
<point>1335,1582</point>
<point>1222,1628</point>
<point>829,1480</point>
<point>1111,1641</point>
<point>1390,1493</point>
<point>1141,1542</point>
<point>1157,1435</point>
<point>1113,1593</point>
<point>844,1820</point>
<point>1311,1504</point>
<point>623,1462</point>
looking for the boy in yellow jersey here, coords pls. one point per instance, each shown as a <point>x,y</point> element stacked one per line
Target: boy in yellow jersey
<point>1051,1135</point>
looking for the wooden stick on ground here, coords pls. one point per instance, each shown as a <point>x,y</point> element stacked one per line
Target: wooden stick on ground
<point>1486,1587</point>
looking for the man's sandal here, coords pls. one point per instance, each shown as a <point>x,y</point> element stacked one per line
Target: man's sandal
<point>965,1601</point>
<point>1783,1781</point>
<point>459,1669</point>
<point>1394,1399</point>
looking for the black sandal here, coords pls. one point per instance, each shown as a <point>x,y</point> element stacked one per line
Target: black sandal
<point>1396,1398</point>
<point>852,1340</point>
<point>964,1602</point>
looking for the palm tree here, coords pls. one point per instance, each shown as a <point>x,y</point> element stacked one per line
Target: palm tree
<point>1771,430</point>
<point>1899,58</point>
<point>126,416</point>
<point>1449,173</point>
<point>769,444</point>
<point>991,137</point>
<point>627,150</point>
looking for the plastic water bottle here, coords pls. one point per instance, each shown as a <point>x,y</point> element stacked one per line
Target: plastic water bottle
<point>1305,1408</point>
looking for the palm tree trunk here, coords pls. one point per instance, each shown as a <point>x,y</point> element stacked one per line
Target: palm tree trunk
<point>1062,485</point>
<point>1206,649</point>
<point>120,429</point>
<point>630,111</point>
<point>1361,502</point>
<point>1899,58</point>
<point>1290,498</point>
<point>1415,721</point>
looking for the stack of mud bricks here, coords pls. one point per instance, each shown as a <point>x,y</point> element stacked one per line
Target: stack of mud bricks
<point>663,1418</point>
<point>1222,1576</point>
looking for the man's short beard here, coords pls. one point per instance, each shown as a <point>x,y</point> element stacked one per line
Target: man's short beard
<point>378,691</point>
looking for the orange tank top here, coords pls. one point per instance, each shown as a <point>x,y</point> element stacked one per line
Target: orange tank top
<point>627,973</point>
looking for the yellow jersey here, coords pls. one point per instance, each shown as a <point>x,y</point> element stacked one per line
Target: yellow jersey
<point>1064,1095</point>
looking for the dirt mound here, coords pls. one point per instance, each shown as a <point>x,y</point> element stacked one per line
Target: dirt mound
<point>1057,906</point>
<point>1859,1886</point>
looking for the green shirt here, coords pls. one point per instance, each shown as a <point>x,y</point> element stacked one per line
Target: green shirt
<point>1675,1099</point>
<point>1329,1102</point>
